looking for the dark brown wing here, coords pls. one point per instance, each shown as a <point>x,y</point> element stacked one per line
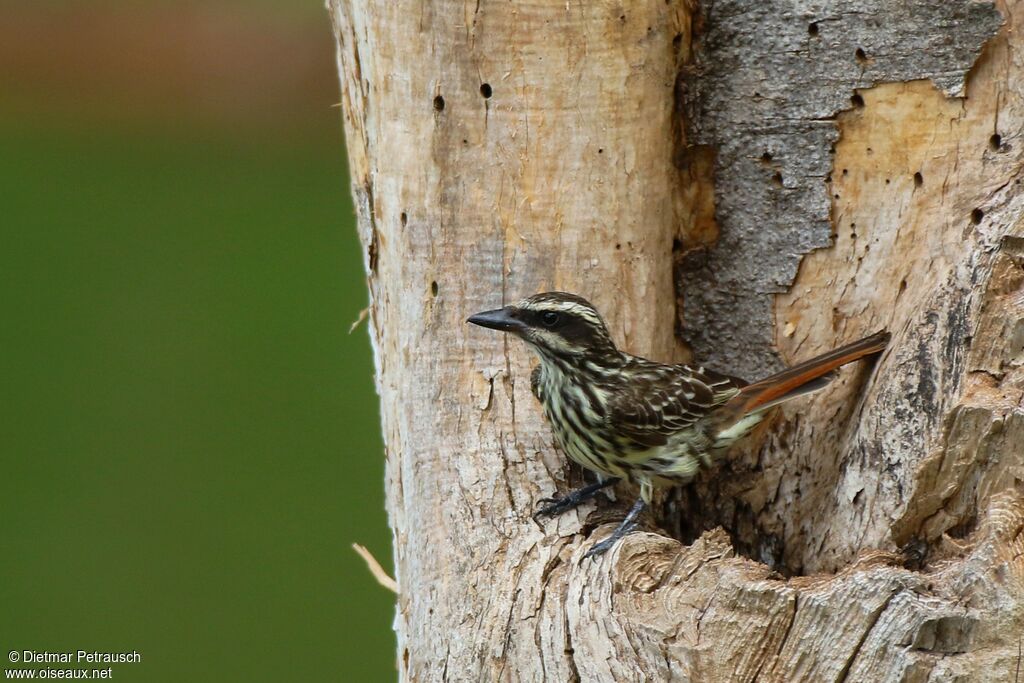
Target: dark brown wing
<point>661,400</point>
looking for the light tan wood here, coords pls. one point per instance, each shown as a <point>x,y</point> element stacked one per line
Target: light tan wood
<point>575,169</point>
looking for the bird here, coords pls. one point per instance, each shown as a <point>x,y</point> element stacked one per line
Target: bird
<point>624,417</point>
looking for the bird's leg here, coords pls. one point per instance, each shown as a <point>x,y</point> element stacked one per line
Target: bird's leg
<point>627,525</point>
<point>556,506</point>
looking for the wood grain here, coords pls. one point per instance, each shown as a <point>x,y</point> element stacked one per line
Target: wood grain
<point>874,532</point>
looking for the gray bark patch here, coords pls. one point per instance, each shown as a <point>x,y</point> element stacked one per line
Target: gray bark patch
<point>770,78</point>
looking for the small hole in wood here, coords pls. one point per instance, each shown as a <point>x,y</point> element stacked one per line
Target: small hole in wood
<point>860,55</point>
<point>677,40</point>
<point>438,103</point>
<point>618,246</point>
<point>766,157</point>
<point>903,286</point>
<point>977,215</point>
<point>600,150</point>
<point>433,288</point>
<point>485,90</point>
<point>812,29</point>
<point>995,142</point>
<point>856,100</point>
<point>846,171</point>
<point>918,179</point>
<point>404,218</point>
<point>887,181</point>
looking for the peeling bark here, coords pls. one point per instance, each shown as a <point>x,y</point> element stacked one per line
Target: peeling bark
<point>772,78</point>
<point>785,179</point>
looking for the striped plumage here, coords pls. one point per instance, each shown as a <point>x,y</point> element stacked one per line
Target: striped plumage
<point>626,417</point>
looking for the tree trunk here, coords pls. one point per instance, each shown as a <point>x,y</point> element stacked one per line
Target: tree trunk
<point>747,183</point>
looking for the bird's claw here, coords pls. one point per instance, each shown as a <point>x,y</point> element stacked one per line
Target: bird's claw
<point>552,508</point>
<point>556,506</point>
<point>601,548</point>
<point>625,528</point>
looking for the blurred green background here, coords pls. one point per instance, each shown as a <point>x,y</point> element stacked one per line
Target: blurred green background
<point>189,440</point>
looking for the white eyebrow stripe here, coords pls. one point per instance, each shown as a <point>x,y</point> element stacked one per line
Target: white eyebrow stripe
<point>567,306</point>
<point>561,307</point>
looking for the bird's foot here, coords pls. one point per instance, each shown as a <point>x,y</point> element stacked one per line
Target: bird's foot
<point>625,527</point>
<point>552,507</point>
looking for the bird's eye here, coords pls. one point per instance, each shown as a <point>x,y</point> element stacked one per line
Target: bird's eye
<point>549,318</point>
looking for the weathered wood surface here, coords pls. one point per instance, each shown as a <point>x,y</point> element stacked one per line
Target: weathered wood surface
<point>498,149</point>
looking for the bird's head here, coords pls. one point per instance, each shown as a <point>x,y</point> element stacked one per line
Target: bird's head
<point>556,324</point>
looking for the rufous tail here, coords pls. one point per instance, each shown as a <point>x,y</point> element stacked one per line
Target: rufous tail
<point>801,379</point>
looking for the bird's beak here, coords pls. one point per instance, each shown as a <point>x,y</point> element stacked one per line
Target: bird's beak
<point>504,319</point>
